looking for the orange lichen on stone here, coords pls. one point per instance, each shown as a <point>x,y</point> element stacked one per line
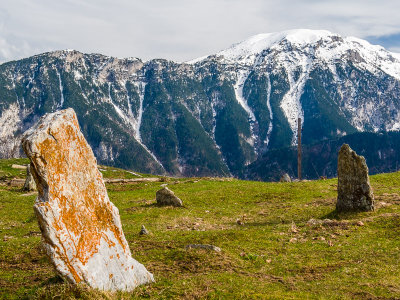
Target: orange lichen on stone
<point>85,212</point>
<point>73,209</point>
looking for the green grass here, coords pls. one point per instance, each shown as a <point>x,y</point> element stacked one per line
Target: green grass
<point>110,172</point>
<point>7,172</point>
<point>275,254</point>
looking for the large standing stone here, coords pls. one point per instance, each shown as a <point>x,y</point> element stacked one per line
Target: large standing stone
<point>354,190</point>
<point>167,197</point>
<point>81,228</point>
<point>30,184</point>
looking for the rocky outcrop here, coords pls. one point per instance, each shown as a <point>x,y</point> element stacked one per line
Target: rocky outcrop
<point>165,197</point>
<point>81,228</point>
<point>354,190</point>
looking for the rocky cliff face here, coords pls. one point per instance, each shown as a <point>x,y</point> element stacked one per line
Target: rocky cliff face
<point>210,116</point>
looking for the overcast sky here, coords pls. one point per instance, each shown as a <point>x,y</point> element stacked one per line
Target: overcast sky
<point>181,29</point>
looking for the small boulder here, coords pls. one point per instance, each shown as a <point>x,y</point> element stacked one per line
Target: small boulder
<point>354,189</point>
<point>360,223</point>
<point>21,167</point>
<point>285,178</point>
<point>240,222</point>
<point>166,197</point>
<point>143,231</point>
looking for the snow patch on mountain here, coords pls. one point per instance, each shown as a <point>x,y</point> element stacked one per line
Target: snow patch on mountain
<point>372,58</point>
<point>290,104</point>
<point>238,87</point>
<point>77,75</point>
<point>104,152</point>
<point>141,87</point>
<point>135,124</point>
<point>10,123</point>
<point>214,103</point>
<point>396,125</point>
<point>133,121</point>
<point>61,90</point>
<point>117,109</point>
<point>271,115</point>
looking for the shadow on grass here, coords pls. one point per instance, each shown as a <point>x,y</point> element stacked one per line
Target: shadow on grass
<point>342,215</point>
<point>155,204</point>
<point>53,280</point>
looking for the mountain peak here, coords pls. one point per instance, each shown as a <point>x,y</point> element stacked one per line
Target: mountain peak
<point>296,36</point>
<point>330,46</point>
<point>260,42</point>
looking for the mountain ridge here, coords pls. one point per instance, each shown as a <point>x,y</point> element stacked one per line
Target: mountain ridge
<point>213,116</point>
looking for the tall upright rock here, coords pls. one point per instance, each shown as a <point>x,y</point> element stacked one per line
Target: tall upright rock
<point>81,227</point>
<point>30,184</point>
<point>354,189</point>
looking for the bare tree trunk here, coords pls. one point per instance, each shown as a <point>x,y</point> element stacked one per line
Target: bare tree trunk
<point>299,148</point>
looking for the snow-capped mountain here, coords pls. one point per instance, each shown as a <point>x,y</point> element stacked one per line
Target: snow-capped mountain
<point>213,115</point>
<point>299,53</point>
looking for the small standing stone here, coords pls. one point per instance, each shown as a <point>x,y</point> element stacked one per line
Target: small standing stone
<point>30,184</point>
<point>143,231</point>
<point>167,197</point>
<point>285,178</point>
<point>354,190</point>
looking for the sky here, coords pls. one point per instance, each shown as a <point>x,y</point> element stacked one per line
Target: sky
<point>181,30</point>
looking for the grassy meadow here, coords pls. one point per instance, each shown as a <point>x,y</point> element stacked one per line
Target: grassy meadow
<point>270,248</point>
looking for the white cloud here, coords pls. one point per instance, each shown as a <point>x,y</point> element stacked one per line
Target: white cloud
<point>394,49</point>
<point>176,29</point>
